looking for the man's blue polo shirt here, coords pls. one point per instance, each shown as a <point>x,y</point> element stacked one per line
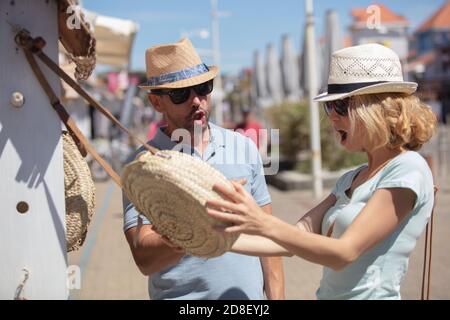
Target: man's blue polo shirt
<point>230,276</point>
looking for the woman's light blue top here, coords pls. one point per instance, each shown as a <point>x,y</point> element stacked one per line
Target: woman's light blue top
<point>377,273</point>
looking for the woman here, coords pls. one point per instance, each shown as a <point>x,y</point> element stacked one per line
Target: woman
<point>364,231</point>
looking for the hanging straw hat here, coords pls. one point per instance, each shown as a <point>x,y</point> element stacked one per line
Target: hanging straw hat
<point>79,43</point>
<point>365,69</point>
<point>79,194</point>
<point>172,193</point>
<point>175,65</point>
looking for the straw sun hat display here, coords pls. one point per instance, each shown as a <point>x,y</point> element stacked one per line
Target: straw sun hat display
<point>175,65</point>
<point>365,69</point>
<point>171,191</point>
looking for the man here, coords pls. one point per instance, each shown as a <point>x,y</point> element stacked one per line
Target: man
<point>180,87</point>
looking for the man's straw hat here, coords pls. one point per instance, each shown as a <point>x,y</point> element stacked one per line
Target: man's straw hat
<point>172,192</point>
<point>175,65</point>
<point>365,69</point>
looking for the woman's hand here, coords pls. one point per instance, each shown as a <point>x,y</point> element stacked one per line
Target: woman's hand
<point>240,209</point>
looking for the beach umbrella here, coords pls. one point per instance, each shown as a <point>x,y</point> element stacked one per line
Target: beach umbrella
<point>304,68</point>
<point>274,82</point>
<point>259,76</point>
<point>333,42</point>
<point>289,70</point>
<point>114,38</point>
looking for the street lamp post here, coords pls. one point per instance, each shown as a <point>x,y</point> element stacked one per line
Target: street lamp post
<point>216,57</point>
<point>314,110</point>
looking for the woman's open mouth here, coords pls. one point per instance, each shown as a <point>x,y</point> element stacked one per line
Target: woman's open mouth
<point>343,135</point>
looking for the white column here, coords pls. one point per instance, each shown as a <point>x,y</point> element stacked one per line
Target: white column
<point>31,162</point>
<point>216,57</point>
<point>314,110</point>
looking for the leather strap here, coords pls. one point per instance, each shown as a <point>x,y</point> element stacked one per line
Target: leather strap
<point>330,229</point>
<point>32,46</point>
<point>55,68</point>
<point>67,120</point>
<point>35,45</point>
<point>426,275</point>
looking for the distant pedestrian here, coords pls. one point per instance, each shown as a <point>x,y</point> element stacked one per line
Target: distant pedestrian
<point>250,126</point>
<point>154,126</point>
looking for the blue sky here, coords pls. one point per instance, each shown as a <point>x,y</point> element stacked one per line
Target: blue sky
<point>250,26</point>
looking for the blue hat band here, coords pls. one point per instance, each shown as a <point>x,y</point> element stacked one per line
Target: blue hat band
<point>178,75</point>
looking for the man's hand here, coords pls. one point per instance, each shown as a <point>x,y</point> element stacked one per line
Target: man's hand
<point>167,241</point>
<point>150,250</point>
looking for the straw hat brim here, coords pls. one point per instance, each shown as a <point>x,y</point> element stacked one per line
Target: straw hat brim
<point>79,194</point>
<point>394,87</point>
<point>211,74</point>
<point>172,193</point>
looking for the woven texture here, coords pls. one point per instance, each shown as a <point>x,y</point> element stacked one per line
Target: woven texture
<point>365,63</point>
<point>365,67</point>
<point>172,193</point>
<point>79,194</point>
<point>178,57</point>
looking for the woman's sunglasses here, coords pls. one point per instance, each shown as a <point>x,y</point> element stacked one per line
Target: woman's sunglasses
<point>340,106</point>
<point>181,95</point>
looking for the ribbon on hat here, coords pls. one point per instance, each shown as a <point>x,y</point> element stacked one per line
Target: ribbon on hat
<point>178,75</point>
<point>349,87</point>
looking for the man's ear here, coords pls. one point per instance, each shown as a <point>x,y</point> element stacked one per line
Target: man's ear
<point>155,101</point>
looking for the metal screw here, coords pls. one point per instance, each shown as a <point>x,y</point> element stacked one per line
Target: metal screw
<point>17,99</point>
<point>22,207</point>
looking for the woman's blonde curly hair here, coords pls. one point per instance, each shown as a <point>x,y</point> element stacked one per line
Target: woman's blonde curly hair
<point>393,120</point>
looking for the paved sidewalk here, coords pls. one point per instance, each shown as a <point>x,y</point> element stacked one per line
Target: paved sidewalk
<point>109,272</point>
<point>107,267</point>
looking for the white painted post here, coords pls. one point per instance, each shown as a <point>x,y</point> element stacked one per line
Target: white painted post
<point>218,107</point>
<point>31,163</point>
<point>312,84</point>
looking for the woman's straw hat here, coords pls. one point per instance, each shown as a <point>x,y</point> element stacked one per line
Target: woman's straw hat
<point>79,194</point>
<point>365,69</point>
<point>172,193</point>
<point>175,65</point>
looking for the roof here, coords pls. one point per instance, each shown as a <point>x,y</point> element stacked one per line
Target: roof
<point>387,16</point>
<point>439,20</point>
<point>422,60</point>
<point>347,41</point>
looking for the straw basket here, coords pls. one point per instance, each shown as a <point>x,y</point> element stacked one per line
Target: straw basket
<point>79,194</point>
<point>172,192</point>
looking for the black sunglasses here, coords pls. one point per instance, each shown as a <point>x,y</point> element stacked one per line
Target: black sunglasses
<point>340,106</point>
<point>181,95</point>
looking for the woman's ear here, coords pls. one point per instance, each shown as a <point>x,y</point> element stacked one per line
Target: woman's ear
<point>155,101</point>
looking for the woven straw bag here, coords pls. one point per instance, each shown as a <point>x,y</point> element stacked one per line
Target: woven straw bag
<point>171,191</point>
<point>79,194</point>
